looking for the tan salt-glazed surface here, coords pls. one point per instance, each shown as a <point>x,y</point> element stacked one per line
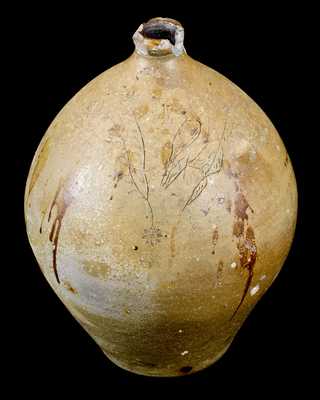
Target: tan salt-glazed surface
<point>161,205</point>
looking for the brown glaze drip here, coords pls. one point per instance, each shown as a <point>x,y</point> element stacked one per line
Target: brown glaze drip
<point>61,202</point>
<point>241,207</point>
<point>173,241</point>
<point>246,243</point>
<point>214,239</point>
<point>238,228</point>
<point>70,288</point>
<point>248,255</point>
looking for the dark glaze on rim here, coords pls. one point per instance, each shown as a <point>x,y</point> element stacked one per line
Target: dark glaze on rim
<point>160,28</point>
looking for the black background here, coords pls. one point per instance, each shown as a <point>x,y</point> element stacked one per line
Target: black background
<point>53,54</point>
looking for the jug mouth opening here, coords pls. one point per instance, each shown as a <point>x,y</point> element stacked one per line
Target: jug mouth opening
<point>159,37</point>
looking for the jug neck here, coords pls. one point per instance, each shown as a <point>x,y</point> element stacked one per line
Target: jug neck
<point>159,37</point>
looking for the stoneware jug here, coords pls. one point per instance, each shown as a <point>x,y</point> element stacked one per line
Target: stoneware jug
<point>161,205</point>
